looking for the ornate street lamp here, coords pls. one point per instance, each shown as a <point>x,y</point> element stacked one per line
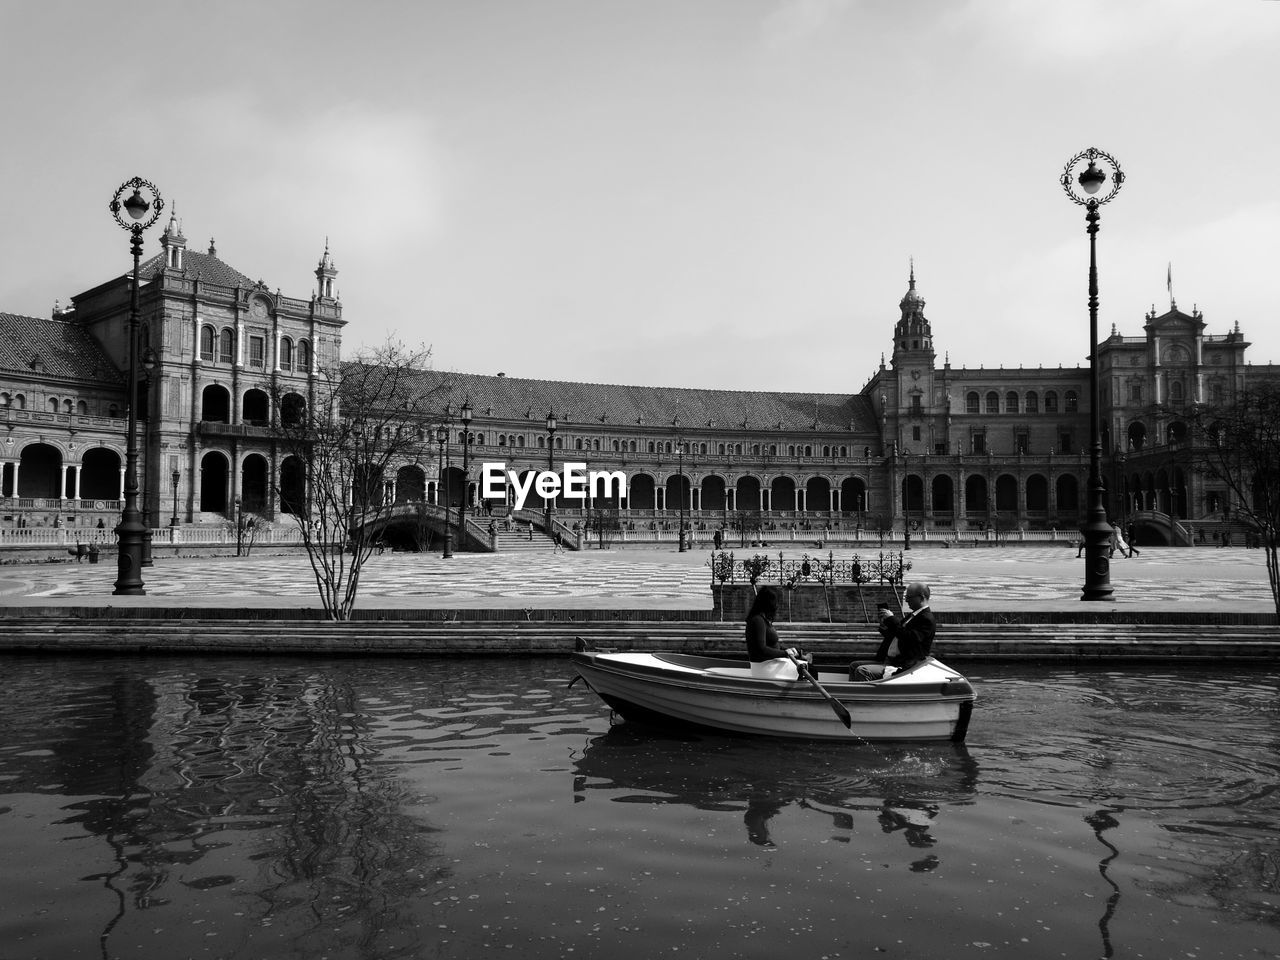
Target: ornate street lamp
<point>442,438</point>
<point>142,213</point>
<point>1095,531</point>
<point>174,479</point>
<point>680,493</point>
<point>551,466</point>
<point>150,363</point>
<point>466,459</point>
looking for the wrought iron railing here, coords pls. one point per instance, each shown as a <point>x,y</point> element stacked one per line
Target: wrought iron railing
<point>880,568</point>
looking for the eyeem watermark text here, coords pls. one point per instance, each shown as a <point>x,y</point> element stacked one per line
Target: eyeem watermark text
<point>574,481</point>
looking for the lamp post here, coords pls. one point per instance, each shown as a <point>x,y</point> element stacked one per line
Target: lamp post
<point>906,500</point>
<point>141,214</point>
<point>174,478</point>
<point>1095,530</point>
<point>442,438</point>
<point>552,423</point>
<point>466,459</point>
<point>150,363</point>
<point>680,491</point>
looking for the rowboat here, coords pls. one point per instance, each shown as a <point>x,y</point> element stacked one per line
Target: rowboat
<point>928,701</point>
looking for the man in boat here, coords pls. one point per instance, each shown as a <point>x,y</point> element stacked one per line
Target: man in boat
<point>907,639</point>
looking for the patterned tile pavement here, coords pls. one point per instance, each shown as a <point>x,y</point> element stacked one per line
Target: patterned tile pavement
<point>996,579</point>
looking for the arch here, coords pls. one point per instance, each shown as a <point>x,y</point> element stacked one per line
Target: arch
<point>303,364</point>
<point>1051,401</point>
<point>227,346</point>
<point>1037,493</point>
<point>253,483</point>
<point>782,494</point>
<point>255,408</point>
<point>1011,402</point>
<point>1072,401</point>
<point>641,492</point>
<point>40,471</point>
<point>853,495</point>
<point>286,353</point>
<point>207,337</point>
<point>293,486</point>
<point>1007,492</point>
<point>1032,402</point>
<point>975,493</point>
<point>293,410</point>
<point>215,405</point>
<point>1137,435</point>
<point>100,474</point>
<point>943,494</point>
<point>214,470</point>
<point>972,402</point>
<point>411,484</point>
<point>747,493</point>
<point>993,402</point>
<point>714,493</point>
<point>817,494</point>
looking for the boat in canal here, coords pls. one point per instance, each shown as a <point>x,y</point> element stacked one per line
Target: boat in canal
<point>928,701</point>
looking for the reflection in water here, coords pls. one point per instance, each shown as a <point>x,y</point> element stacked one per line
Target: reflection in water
<point>902,788</point>
<point>406,808</point>
<point>1101,821</point>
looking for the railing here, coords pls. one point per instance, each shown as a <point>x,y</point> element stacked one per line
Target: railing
<point>878,568</point>
<point>201,534</point>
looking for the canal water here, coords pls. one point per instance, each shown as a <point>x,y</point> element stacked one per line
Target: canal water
<point>418,808</point>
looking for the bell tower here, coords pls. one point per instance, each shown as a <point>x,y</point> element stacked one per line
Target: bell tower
<point>326,274</point>
<point>912,336</point>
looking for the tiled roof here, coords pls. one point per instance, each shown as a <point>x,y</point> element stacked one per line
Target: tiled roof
<point>54,348</point>
<point>616,407</point>
<point>202,266</point>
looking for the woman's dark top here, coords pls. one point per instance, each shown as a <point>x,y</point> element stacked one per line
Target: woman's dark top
<point>762,640</point>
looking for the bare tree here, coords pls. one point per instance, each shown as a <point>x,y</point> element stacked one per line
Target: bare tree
<point>366,416</point>
<point>1238,444</point>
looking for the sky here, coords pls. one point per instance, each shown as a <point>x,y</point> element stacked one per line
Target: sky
<point>700,193</point>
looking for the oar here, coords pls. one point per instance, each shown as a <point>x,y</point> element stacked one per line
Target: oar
<point>836,705</point>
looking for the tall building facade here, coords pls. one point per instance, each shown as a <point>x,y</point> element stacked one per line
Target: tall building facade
<point>923,445</point>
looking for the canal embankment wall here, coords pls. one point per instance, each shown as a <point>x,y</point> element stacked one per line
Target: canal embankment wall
<point>1103,636</point>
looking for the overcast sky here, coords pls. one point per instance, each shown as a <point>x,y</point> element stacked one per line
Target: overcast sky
<point>718,193</point>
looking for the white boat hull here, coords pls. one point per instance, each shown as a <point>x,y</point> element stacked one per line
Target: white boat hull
<point>928,702</point>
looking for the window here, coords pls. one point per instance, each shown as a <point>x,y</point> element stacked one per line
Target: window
<point>257,351</point>
<point>972,402</point>
<point>1176,392</point>
<point>1073,402</point>
<point>206,344</point>
<point>226,347</point>
<point>1064,442</point>
<point>286,353</point>
<point>916,410</point>
<point>1050,401</point>
<point>1010,402</point>
<point>915,434</point>
<point>1022,442</point>
<point>1135,393</point>
<point>940,449</point>
<point>1033,402</point>
<point>979,443</point>
<point>304,356</point>
<point>993,402</point>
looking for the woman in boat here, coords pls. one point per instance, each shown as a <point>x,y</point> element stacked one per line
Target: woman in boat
<point>768,659</point>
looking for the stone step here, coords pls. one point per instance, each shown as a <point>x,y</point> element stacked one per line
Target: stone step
<point>1095,642</point>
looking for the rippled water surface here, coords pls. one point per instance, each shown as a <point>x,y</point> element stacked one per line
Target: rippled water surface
<point>389,808</point>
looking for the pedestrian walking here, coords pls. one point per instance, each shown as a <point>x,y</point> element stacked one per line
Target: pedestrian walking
<point>559,547</point>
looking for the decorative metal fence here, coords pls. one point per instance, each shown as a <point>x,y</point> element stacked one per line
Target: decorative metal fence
<point>880,568</point>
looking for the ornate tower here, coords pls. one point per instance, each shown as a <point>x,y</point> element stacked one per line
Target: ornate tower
<point>326,273</point>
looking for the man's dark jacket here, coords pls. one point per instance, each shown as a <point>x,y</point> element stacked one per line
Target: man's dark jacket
<point>914,633</point>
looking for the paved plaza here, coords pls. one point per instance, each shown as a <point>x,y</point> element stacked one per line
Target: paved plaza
<point>1026,578</point>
